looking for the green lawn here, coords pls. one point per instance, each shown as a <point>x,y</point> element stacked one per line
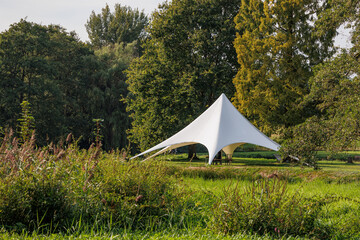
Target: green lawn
<point>264,159</point>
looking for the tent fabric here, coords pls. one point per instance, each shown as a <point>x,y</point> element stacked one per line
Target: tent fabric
<point>220,127</point>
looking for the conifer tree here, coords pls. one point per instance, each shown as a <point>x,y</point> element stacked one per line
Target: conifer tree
<point>277,48</point>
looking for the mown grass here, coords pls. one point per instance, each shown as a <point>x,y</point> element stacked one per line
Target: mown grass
<point>266,158</point>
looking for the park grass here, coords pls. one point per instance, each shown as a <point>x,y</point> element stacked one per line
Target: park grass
<point>308,189</point>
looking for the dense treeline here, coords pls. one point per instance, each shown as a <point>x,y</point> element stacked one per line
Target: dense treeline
<point>49,68</point>
<point>144,80</point>
<point>67,83</point>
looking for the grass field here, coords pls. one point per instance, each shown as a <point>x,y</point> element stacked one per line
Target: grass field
<point>87,194</point>
<point>267,159</point>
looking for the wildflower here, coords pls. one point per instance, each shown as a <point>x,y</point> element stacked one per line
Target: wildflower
<point>138,198</point>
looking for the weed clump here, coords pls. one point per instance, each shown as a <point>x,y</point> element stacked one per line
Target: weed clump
<point>266,207</point>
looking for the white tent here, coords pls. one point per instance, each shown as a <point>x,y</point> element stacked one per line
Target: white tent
<point>220,127</point>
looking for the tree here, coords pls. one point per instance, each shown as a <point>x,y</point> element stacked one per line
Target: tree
<point>188,61</point>
<point>67,84</point>
<point>46,66</point>
<point>123,25</point>
<point>342,12</point>
<point>107,88</point>
<point>334,90</point>
<point>276,49</point>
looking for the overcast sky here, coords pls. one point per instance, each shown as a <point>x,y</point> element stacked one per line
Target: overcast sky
<point>70,14</point>
<point>73,14</point>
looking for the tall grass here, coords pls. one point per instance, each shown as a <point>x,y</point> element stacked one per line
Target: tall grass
<point>267,207</point>
<point>63,191</point>
<point>57,187</point>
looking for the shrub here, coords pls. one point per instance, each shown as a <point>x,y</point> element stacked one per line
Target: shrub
<point>33,203</point>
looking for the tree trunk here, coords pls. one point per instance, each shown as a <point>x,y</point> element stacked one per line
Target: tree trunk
<point>192,152</point>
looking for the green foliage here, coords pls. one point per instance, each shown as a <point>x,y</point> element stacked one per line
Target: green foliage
<point>26,122</point>
<point>28,202</point>
<point>306,139</point>
<point>342,12</point>
<point>188,61</point>
<point>46,66</point>
<point>66,83</point>
<point>79,193</point>
<point>50,188</point>
<point>124,25</point>
<point>138,196</point>
<point>276,49</point>
<point>31,195</point>
<point>334,91</point>
<point>266,207</point>
<point>107,88</point>
<point>97,131</point>
<point>344,217</point>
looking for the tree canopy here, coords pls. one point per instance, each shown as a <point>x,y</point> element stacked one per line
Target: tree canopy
<point>342,12</point>
<point>43,65</point>
<point>107,89</point>
<point>124,25</point>
<point>188,61</point>
<point>142,80</point>
<point>334,91</point>
<point>65,82</point>
<point>276,48</point>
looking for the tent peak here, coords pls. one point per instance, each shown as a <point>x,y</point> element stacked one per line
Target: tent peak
<point>220,126</point>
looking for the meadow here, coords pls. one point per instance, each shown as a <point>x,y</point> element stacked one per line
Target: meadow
<point>64,192</point>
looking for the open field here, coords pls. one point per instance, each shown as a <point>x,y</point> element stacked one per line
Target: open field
<point>90,194</point>
<point>267,159</point>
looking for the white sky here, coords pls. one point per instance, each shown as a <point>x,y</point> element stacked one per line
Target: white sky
<point>73,14</point>
<point>70,14</point>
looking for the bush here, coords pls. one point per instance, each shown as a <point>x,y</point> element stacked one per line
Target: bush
<point>304,141</point>
<point>266,208</point>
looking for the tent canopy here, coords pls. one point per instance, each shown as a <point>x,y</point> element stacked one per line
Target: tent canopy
<point>220,127</point>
